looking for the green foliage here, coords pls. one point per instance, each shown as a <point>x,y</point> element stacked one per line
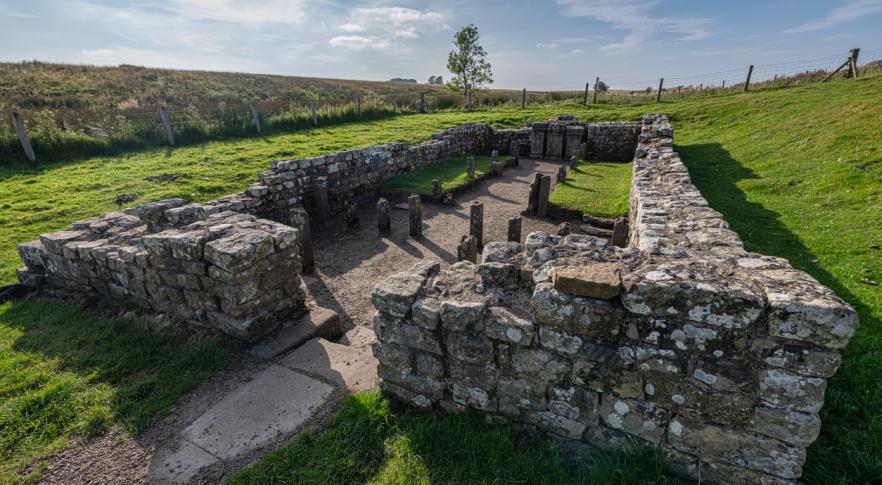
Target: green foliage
<point>67,375</point>
<point>468,62</point>
<point>601,87</point>
<point>452,174</point>
<point>596,188</point>
<point>370,442</point>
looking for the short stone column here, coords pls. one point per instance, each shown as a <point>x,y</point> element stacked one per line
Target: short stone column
<point>537,139</point>
<point>436,190</point>
<point>350,212</point>
<point>514,154</point>
<point>561,174</point>
<point>574,162</point>
<point>620,233</point>
<point>470,168</point>
<point>583,151</point>
<point>415,216</point>
<point>467,250</point>
<point>496,168</point>
<point>494,156</point>
<point>533,200</point>
<point>514,229</point>
<point>322,207</point>
<point>476,222</point>
<point>544,193</point>
<point>384,217</point>
<point>299,219</point>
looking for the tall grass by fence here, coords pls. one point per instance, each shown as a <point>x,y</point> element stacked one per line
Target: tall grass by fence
<point>76,128</point>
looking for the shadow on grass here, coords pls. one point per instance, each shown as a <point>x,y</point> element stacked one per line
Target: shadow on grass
<point>849,449</point>
<point>370,440</point>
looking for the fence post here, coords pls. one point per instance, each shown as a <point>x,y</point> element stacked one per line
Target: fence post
<point>661,85</point>
<point>358,104</point>
<point>163,114</point>
<point>585,98</point>
<point>312,110</point>
<point>596,82</point>
<point>524,98</point>
<point>422,102</point>
<point>23,137</point>
<point>854,60</point>
<point>747,81</point>
<point>255,116</point>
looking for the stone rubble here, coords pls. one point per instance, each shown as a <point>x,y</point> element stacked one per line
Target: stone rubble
<point>681,341</point>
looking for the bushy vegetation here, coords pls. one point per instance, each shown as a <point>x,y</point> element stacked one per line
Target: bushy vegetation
<point>66,375</point>
<point>371,442</point>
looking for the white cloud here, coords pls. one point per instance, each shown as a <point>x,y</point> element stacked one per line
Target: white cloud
<point>850,10</point>
<point>358,42</point>
<point>351,28</point>
<point>397,17</point>
<point>7,12</point>
<point>406,34</point>
<point>636,16</point>
<point>290,12</point>
<point>577,51</point>
<point>549,45</point>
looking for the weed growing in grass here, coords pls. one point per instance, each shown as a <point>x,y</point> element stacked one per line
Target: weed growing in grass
<point>370,441</point>
<point>65,375</point>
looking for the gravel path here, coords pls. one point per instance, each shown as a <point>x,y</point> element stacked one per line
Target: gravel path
<point>349,264</point>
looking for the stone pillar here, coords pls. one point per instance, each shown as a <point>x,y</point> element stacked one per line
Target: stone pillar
<point>575,135</point>
<point>436,190</point>
<point>537,139</point>
<point>350,209</point>
<point>544,192</point>
<point>514,229</point>
<point>514,153</point>
<point>322,207</point>
<point>476,222</point>
<point>384,217</point>
<point>299,220</point>
<point>496,168</point>
<point>494,156</point>
<point>533,201</point>
<point>554,142</point>
<point>583,151</point>
<point>561,174</point>
<point>467,250</point>
<point>415,213</point>
<point>470,167</point>
<point>620,233</point>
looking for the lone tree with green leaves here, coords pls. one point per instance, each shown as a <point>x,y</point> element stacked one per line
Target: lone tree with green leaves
<point>468,64</point>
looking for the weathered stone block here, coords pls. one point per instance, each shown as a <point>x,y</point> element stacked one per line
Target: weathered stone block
<point>460,316</point>
<point>395,295</point>
<point>600,280</point>
<point>503,325</point>
<point>784,389</point>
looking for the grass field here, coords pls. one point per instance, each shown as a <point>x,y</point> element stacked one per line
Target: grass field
<point>369,442</point>
<point>596,188</point>
<point>67,375</point>
<point>796,171</point>
<point>452,174</point>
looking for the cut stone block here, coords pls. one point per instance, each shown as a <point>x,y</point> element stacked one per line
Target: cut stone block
<point>177,465</point>
<point>276,402</point>
<point>601,280</point>
<point>353,368</point>
<point>320,322</point>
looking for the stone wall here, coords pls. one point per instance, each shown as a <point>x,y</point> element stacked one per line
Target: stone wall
<point>203,263</point>
<point>682,341</point>
<point>561,139</point>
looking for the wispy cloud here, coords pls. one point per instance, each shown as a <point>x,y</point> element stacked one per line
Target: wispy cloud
<point>253,12</point>
<point>351,28</point>
<point>844,13</point>
<point>637,17</point>
<point>358,42</point>
<point>8,12</point>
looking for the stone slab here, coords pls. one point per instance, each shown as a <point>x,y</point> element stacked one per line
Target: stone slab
<point>320,322</point>
<point>600,280</point>
<point>276,402</point>
<point>177,465</point>
<point>359,336</point>
<point>353,368</point>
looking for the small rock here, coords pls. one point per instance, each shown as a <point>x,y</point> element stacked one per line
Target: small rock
<point>874,246</point>
<point>870,282</point>
<point>866,270</point>
<point>564,229</point>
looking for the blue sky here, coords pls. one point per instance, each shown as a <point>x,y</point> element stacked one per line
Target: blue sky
<point>539,45</point>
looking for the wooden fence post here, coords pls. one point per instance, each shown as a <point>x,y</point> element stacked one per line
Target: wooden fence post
<point>853,72</point>
<point>524,98</point>
<point>312,110</point>
<point>163,114</point>
<point>422,103</point>
<point>747,81</point>
<point>585,98</point>
<point>23,137</point>
<point>596,82</point>
<point>255,116</point>
<point>358,104</point>
<point>661,85</point>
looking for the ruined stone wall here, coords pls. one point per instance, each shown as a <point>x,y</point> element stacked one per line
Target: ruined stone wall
<point>682,341</point>
<point>561,139</point>
<point>501,141</point>
<point>357,174</point>
<point>200,262</point>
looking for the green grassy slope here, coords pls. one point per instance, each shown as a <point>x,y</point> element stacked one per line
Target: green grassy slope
<point>797,171</point>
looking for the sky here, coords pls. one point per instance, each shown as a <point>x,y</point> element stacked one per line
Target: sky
<point>534,44</point>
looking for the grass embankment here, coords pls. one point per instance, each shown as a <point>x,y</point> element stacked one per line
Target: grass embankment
<point>368,442</point>
<point>66,375</point>
<point>595,188</point>
<point>452,174</point>
<point>797,171</point>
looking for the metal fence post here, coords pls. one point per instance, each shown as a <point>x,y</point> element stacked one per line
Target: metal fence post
<point>747,81</point>
<point>255,116</point>
<point>169,136</point>
<point>23,137</point>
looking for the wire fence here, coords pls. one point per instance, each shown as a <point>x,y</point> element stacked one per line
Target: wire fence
<point>92,129</point>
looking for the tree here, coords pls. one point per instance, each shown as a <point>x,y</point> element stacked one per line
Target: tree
<point>431,80</point>
<point>468,64</point>
<point>438,80</point>
<point>601,87</point>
